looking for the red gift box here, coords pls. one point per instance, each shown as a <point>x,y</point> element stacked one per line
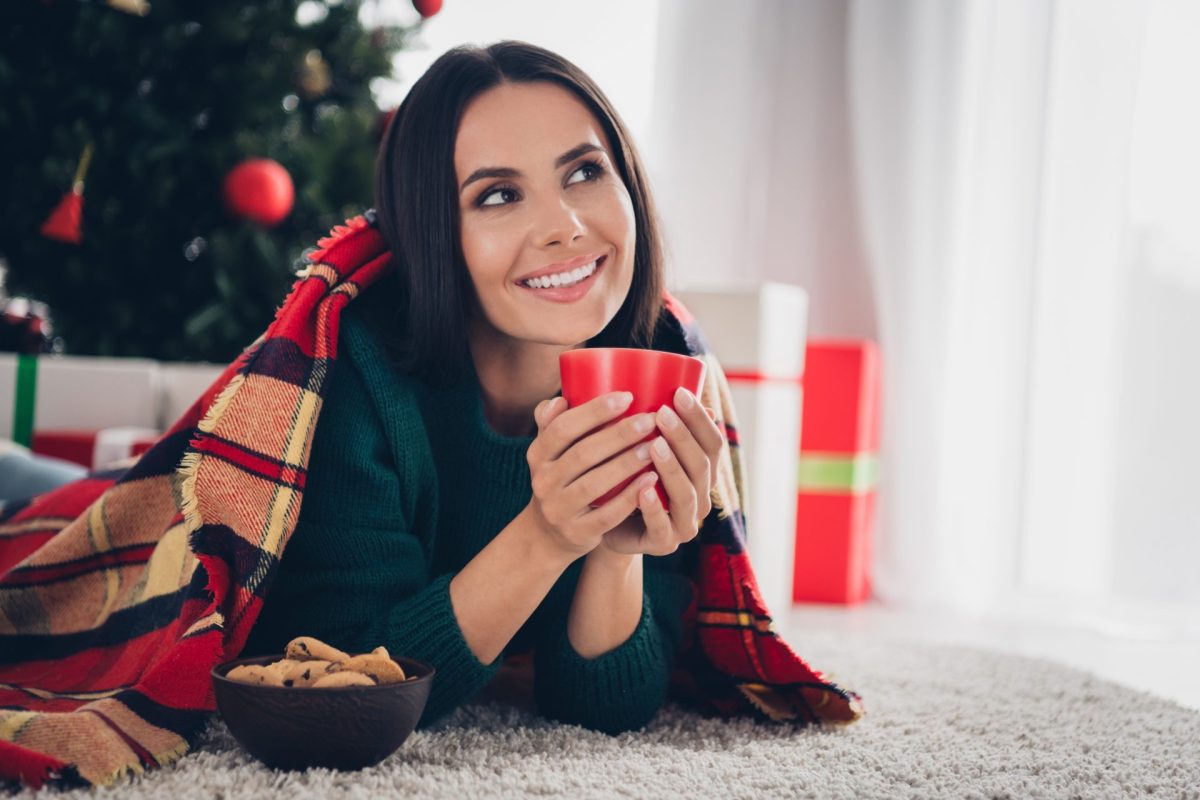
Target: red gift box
<point>835,500</point>
<point>93,448</point>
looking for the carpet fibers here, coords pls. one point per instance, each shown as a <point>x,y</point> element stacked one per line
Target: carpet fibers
<point>942,722</point>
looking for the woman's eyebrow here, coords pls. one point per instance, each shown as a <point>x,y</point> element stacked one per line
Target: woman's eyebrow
<point>508,172</point>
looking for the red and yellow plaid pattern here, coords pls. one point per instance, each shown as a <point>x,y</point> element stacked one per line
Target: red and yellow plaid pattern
<point>119,592</point>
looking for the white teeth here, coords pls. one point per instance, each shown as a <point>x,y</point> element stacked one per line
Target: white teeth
<point>564,278</point>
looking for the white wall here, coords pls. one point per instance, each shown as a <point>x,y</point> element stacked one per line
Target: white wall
<point>614,42</point>
<point>728,212</point>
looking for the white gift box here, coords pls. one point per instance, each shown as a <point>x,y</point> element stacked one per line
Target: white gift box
<point>84,393</point>
<point>116,444</point>
<point>758,335</point>
<point>115,403</point>
<point>179,386</point>
<point>89,393</point>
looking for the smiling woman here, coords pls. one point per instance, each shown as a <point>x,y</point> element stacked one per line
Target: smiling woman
<point>520,225</point>
<point>447,513</point>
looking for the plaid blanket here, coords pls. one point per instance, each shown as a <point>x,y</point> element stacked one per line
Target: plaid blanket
<point>121,591</point>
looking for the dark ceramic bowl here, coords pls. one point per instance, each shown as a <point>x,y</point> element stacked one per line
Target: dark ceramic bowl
<point>345,728</point>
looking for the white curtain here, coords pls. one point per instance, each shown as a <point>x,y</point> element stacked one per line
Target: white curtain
<point>951,180</point>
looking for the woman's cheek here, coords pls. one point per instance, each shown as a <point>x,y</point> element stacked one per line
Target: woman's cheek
<point>488,251</point>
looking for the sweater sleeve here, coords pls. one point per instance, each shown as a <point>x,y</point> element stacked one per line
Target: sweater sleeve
<point>356,572</point>
<point>620,690</point>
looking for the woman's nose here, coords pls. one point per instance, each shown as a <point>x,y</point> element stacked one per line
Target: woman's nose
<point>558,222</point>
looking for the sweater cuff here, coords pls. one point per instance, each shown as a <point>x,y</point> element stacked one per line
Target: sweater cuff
<point>425,627</point>
<point>617,691</point>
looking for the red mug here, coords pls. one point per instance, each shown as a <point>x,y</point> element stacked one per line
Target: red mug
<point>652,376</point>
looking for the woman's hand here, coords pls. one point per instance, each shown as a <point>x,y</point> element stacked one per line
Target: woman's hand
<point>568,469</point>
<point>689,471</point>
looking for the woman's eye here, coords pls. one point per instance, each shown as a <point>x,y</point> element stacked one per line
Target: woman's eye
<point>500,191</point>
<point>591,166</point>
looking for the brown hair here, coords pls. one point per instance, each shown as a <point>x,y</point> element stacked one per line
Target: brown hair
<point>416,203</point>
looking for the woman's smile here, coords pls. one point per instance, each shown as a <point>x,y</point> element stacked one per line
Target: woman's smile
<point>565,286</point>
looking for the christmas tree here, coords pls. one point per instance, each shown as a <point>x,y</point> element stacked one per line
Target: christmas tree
<point>179,255</point>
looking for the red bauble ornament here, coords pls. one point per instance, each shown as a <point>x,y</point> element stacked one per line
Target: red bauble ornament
<point>259,189</point>
<point>427,8</point>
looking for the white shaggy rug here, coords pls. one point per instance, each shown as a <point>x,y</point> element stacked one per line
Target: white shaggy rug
<point>942,722</point>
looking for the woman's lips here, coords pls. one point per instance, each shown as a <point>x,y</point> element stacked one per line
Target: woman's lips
<point>568,294</point>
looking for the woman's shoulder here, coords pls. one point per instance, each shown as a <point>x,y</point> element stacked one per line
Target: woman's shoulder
<point>366,364</point>
<point>363,345</point>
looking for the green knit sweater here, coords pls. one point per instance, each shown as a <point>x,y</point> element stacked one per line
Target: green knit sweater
<point>406,484</point>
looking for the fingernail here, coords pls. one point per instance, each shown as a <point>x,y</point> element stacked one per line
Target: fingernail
<point>648,480</point>
<point>684,399</point>
<point>643,424</point>
<point>620,400</point>
<point>668,417</point>
<point>661,447</point>
<point>643,452</point>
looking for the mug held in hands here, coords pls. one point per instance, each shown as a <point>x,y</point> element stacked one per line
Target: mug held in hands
<point>652,376</point>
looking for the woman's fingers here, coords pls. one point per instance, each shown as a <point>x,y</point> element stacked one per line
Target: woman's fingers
<point>687,450</point>
<point>547,410</point>
<point>661,539</point>
<point>600,480</point>
<point>602,446</point>
<point>697,464</point>
<point>560,434</point>
<point>688,469</point>
<point>625,531</point>
<point>700,421</point>
<point>681,492</point>
<point>599,441</point>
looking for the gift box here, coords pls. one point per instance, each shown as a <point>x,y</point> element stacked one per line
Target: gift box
<point>757,334</point>
<point>179,386</point>
<point>835,498</point>
<point>94,449</point>
<point>75,393</point>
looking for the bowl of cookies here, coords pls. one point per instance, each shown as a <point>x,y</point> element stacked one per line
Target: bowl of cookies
<point>316,706</point>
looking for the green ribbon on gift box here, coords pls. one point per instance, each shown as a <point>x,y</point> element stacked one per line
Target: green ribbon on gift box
<point>24,400</point>
<point>837,472</point>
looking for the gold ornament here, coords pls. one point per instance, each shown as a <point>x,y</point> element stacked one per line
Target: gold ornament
<point>315,75</point>
<point>139,7</point>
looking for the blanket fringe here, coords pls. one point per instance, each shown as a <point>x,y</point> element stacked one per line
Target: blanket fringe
<point>189,465</point>
<point>109,778</point>
<point>217,409</point>
<point>174,754</point>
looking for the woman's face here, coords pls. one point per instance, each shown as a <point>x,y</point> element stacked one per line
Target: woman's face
<point>538,191</point>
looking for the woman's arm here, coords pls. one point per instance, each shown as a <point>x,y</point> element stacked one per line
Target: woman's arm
<point>622,686</point>
<point>617,691</point>
<point>607,603</point>
<point>498,590</point>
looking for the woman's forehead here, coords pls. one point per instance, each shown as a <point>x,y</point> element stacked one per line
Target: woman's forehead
<point>523,126</point>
